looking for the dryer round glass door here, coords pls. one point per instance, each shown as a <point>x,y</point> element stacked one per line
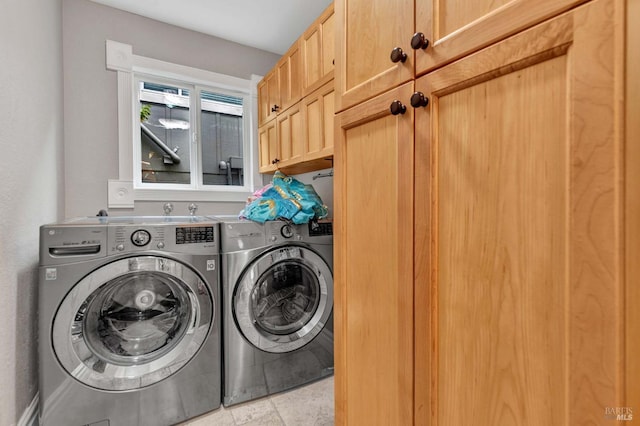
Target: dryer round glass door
<point>132,323</point>
<point>284,299</point>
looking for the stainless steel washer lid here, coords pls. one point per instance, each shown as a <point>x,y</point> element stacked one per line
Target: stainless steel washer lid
<point>284,299</point>
<point>132,323</point>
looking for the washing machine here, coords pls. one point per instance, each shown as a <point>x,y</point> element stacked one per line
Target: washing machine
<point>277,285</point>
<point>129,320</point>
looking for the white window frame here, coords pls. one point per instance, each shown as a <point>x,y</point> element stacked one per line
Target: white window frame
<point>128,187</point>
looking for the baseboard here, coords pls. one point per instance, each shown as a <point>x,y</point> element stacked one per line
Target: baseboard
<point>30,415</point>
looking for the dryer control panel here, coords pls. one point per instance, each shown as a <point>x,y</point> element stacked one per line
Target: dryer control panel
<point>313,232</point>
<point>320,228</point>
<point>94,237</point>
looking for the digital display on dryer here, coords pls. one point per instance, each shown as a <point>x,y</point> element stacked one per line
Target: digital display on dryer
<point>317,229</point>
<point>194,234</point>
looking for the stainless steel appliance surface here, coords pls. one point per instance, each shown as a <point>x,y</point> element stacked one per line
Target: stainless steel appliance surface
<point>129,320</point>
<point>277,285</point>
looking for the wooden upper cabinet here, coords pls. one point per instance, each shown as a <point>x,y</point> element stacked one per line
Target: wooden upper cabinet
<point>300,139</point>
<point>328,48</point>
<point>319,118</point>
<point>263,101</point>
<point>290,133</point>
<point>318,47</point>
<point>268,147</point>
<point>282,86</point>
<point>281,140</point>
<point>455,28</point>
<point>367,31</point>
<point>296,103</point>
<point>519,232</point>
<point>268,97</point>
<point>289,70</point>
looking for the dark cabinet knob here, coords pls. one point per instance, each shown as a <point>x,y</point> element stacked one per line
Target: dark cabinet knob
<point>419,41</point>
<point>397,55</point>
<point>275,161</point>
<point>397,108</point>
<point>418,99</point>
<point>275,108</point>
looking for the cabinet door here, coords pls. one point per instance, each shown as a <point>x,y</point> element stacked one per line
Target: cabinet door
<point>269,97</point>
<point>289,70</point>
<point>632,208</point>
<point>373,263</point>
<point>263,101</point>
<point>519,264</point>
<point>318,46</point>
<point>290,135</point>
<point>268,145</point>
<point>366,33</point>
<point>319,113</point>
<point>455,28</point>
<point>328,48</point>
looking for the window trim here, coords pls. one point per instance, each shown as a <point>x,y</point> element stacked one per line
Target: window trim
<point>123,192</point>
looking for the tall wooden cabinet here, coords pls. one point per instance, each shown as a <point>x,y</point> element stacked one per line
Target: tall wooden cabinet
<point>632,205</point>
<point>480,264</point>
<point>373,252</point>
<point>524,271</point>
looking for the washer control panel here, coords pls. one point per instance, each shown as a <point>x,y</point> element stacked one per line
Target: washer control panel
<point>194,234</point>
<point>194,238</point>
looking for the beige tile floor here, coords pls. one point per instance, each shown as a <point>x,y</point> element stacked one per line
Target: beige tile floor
<point>310,405</point>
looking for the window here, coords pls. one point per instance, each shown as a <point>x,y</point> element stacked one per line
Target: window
<point>185,133</point>
<point>170,118</point>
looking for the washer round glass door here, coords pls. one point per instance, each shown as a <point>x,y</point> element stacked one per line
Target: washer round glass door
<point>132,323</point>
<point>284,299</point>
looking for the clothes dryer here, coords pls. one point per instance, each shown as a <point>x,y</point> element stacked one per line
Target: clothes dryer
<point>278,306</point>
<point>129,321</point>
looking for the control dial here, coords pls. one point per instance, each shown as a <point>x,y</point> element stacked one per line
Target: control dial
<point>286,231</point>
<point>140,238</point>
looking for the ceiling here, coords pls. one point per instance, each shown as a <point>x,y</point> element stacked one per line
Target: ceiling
<point>271,25</point>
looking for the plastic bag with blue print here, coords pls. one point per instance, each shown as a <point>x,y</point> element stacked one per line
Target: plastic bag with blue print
<point>287,198</point>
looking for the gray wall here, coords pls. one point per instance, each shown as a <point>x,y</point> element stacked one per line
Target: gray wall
<point>32,181</point>
<point>90,94</point>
